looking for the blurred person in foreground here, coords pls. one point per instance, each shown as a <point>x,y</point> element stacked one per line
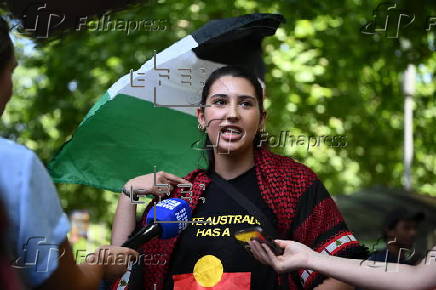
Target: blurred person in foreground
<point>37,226</point>
<point>8,277</point>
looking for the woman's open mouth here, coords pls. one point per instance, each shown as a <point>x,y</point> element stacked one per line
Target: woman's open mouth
<point>231,133</point>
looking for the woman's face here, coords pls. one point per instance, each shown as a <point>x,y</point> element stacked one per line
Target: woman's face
<point>233,117</point>
<point>6,84</point>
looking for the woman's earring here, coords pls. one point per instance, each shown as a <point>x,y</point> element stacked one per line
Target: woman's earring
<point>201,128</point>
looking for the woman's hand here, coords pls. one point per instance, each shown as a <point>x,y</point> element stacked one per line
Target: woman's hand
<point>145,184</point>
<point>295,256</point>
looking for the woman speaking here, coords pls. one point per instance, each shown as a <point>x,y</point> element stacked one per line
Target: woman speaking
<point>287,197</point>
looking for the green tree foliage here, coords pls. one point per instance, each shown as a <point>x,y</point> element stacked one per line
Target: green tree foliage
<point>325,77</point>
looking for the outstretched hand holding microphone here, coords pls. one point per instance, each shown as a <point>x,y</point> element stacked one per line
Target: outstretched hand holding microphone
<point>295,256</point>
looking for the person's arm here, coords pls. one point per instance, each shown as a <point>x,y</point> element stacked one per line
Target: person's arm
<point>124,220</point>
<point>360,273</point>
<point>69,275</point>
<point>373,276</point>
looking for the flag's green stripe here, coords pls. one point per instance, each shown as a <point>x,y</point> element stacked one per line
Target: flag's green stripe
<point>132,137</point>
<point>100,102</point>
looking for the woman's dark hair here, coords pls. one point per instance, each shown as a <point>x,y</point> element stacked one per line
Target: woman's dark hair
<point>234,71</point>
<point>6,46</point>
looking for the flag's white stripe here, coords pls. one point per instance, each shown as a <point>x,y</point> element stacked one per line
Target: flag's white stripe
<point>327,250</point>
<point>171,90</point>
<point>180,47</point>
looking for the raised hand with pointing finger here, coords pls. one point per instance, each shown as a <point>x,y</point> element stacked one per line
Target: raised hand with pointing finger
<point>158,184</point>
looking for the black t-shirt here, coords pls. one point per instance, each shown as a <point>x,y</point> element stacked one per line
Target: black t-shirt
<point>208,255</point>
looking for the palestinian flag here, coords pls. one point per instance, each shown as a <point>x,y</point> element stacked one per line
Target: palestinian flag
<point>147,118</point>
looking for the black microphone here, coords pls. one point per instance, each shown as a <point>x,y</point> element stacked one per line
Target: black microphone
<point>143,235</point>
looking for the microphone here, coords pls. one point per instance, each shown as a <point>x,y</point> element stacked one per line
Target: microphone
<point>168,213</point>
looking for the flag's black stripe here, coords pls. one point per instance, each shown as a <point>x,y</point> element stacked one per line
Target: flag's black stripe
<point>229,29</point>
<point>237,41</point>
